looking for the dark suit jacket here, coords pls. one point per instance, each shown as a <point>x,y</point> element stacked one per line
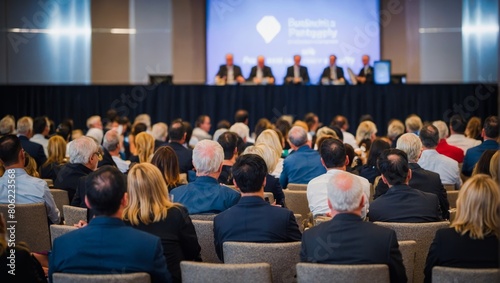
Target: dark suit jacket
<point>34,149</point>
<point>346,239</point>
<point>368,76</point>
<point>106,159</point>
<point>159,144</point>
<point>273,186</point>
<point>339,71</point>
<point>252,219</point>
<point>266,73</point>
<point>454,250</point>
<point>426,181</point>
<point>474,153</point>
<point>402,203</point>
<point>69,176</point>
<point>223,71</point>
<point>185,156</point>
<point>107,246</point>
<point>304,74</point>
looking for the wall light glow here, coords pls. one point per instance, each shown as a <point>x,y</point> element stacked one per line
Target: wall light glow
<point>480,29</point>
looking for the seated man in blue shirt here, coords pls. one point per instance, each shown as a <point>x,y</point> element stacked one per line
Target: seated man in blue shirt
<point>205,194</point>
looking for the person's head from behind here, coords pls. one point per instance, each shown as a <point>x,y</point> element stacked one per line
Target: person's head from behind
<point>166,160</point>
<point>473,128</point>
<point>376,149</point>
<point>442,129</point>
<point>393,165</point>
<point>111,142</point>
<point>177,132</point>
<point>413,123</point>
<point>297,136</point>
<point>41,126</point>
<point>249,173</point>
<point>266,153</point>
<point>148,199</point>
<point>241,116</point>
<point>395,128</point>
<point>241,130</point>
<point>145,146</point>
<point>366,130</point>
<point>271,139</point>
<point>345,193</point>
<point>262,125</point>
<point>312,121</point>
<point>457,124</point>
<point>25,126</point>
<point>31,167</point>
<point>490,128</point>
<point>203,122</point>
<point>207,158</point>
<point>411,145</point>
<point>7,125</point>
<point>333,154</point>
<point>228,141</point>
<point>11,153</point>
<point>160,131</point>
<point>341,122</point>
<point>84,150</point>
<point>106,191</point>
<point>56,149</point>
<point>429,135</point>
<point>94,122</point>
<point>324,132</point>
<point>478,208</point>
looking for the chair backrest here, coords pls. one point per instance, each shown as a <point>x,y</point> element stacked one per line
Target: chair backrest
<point>183,178</point>
<point>449,187</point>
<point>423,234</point>
<point>206,217</point>
<point>297,202</point>
<point>297,187</point>
<point>138,277</point>
<point>464,275</point>
<point>58,230</point>
<point>452,198</point>
<point>32,225</point>
<point>60,198</point>
<point>270,196</point>
<point>299,220</point>
<point>320,219</point>
<point>205,232</point>
<point>73,214</point>
<point>408,250</point>
<point>326,273</point>
<point>50,183</point>
<point>194,272</point>
<point>281,256</point>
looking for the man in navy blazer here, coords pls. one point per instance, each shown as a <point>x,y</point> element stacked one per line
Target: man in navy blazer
<point>402,203</point>
<point>347,239</point>
<point>327,72</point>
<point>261,73</point>
<point>106,245</point>
<point>177,134</point>
<point>490,135</point>
<point>25,131</point>
<point>229,73</point>
<point>253,219</point>
<point>297,74</point>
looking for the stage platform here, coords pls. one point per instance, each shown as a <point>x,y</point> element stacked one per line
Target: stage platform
<point>167,102</point>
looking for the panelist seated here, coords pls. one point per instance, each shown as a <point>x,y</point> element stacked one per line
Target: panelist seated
<point>229,73</point>
<point>366,73</point>
<point>297,74</point>
<point>261,74</point>
<point>333,75</point>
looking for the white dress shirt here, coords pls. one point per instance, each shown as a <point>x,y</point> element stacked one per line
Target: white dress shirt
<point>446,167</point>
<point>122,165</point>
<point>462,142</point>
<point>40,139</point>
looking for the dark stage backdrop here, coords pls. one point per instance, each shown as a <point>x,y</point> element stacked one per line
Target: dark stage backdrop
<point>165,103</point>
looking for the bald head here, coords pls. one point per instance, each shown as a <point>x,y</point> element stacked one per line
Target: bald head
<point>260,61</point>
<point>345,192</point>
<point>229,59</point>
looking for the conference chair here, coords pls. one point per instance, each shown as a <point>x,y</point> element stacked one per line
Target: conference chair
<point>60,198</point>
<point>183,179</point>
<point>408,251</point>
<point>340,273</point>
<point>194,272</point>
<point>449,187</point>
<point>270,196</point>
<point>205,232</point>
<point>465,275</point>
<point>281,256</point>
<point>452,198</point>
<point>205,217</point>
<point>58,230</point>
<point>139,277</point>
<point>297,187</point>
<point>50,183</point>
<point>32,226</point>
<point>297,202</point>
<point>73,214</point>
<point>423,234</point>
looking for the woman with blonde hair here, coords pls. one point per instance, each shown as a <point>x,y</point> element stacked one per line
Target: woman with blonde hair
<point>57,157</point>
<point>474,128</point>
<point>495,167</point>
<point>272,139</point>
<point>166,160</point>
<point>30,166</point>
<point>472,239</point>
<point>149,209</point>
<point>144,146</point>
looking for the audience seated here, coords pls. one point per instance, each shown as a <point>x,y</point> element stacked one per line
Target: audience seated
<point>201,131</point>
<point>106,245</point>
<point>365,134</point>
<point>166,161</point>
<point>457,137</point>
<point>483,164</point>
<point>473,237</point>
<point>395,129</point>
<point>228,141</point>
<point>25,131</point>
<point>41,129</point>
<point>30,166</point>
<point>149,209</point>
<point>144,146</point>
<point>222,127</point>
<point>443,147</point>
<point>343,124</point>
<point>252,219</point>
<point>473,128</point>
<point>370,170</point>
<point>159,132</point>
<point>205,194</point>
<point>56,158</point>
<point>262,125</point>
<point>111,148</point>
<point>271,138</point>
<point>347,239</point>
<point>178,134</point>
<point>490,136</point>
<point>413,124</point>
<point>7,125</point>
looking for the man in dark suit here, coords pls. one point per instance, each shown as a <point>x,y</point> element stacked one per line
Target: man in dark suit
<point>261,73</point>
<point>365,75</point>
<point>421,179</point>
<point>177,134</point>
<point>490,136</point>
<point>25,131</point>
<point>106,245</point>
<point>253,219</point>
<point>297,74</point>
<point>229,73</point>
<point>402,203</point>
<point>333,73</point>
<point>347,239</point>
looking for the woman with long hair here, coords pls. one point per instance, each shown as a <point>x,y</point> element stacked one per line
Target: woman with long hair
<point>370,170</point>
<point>472,239</point>
<point>149,209</point>
<point>56,158</point>
<point>166,160</point>
<point>144,147</point>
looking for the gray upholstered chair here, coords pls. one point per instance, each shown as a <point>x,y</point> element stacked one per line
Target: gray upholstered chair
<point>60,198</point>
<point>443,274</point>
<point>408,250</point>
<point>297,202</point>
<point>270,196</point>
<point>73,214</point>
<point>423,234</point>
<point>194,272</point>
<point>452,198</point>
<point>32,225</point>
<point>139,277</point>
<point>297,187</point>
<point>206,217</point>
<point>335,273</point>
<point>58,230</point>
<point>281,256</point>
<point>205,232</point>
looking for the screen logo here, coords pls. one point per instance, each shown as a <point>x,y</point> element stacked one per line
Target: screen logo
<point>268,27</point>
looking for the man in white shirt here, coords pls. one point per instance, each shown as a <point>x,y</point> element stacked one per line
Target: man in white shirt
<point>200,132</point>
<point>457,137</point>
<point>431,160</point>
<point>41,130</point>
<point>334,158</point>
<point>342,122</point>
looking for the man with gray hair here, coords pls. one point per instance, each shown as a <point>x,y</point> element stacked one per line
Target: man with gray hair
<point>83,158</point>
<point>25,132</point>
<point>304,163</point>
<point>328,243</point>
<point>160,132</point>
<point>111,152</point>
<point>205,194</point>
<point>443,147</point>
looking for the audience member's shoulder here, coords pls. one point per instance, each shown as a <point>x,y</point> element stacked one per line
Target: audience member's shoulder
<point>228,190</point>
<point>179,189</point>
<point>37,181</point>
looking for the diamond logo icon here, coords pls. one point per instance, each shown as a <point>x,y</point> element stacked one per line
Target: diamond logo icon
<point>268,27</point>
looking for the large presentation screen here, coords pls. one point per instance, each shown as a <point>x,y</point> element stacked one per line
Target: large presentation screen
<point>280,29</point>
